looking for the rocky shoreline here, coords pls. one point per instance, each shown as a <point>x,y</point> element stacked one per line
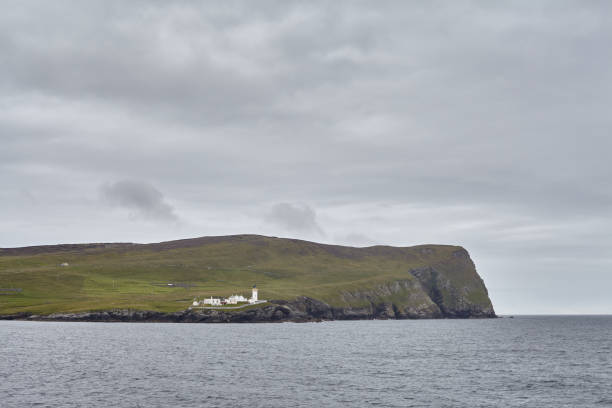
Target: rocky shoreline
<point>302,309</point>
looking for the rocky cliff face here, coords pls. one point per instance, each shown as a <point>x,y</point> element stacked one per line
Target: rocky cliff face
<point>455,287</point>
<point>450,288</point>
<point>401,299</point>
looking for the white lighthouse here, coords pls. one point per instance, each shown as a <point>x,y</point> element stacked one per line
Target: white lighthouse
<point>254,295</point>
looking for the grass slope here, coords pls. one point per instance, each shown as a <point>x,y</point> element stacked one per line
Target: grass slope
<point>103,277</point>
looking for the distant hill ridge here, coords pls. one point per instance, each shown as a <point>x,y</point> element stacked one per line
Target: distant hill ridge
<point>176,244</point>
<point>424,281</point>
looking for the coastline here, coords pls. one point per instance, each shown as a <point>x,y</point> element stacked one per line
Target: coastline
<point>303,309</point>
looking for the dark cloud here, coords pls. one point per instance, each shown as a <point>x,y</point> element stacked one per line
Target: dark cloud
<point>298,218</point>
<point>141,198</point>
<point>476,123</point>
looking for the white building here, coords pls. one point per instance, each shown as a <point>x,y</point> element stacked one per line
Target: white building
<point>234,299</point>
<point>212,301</point>
<point>253,298</point>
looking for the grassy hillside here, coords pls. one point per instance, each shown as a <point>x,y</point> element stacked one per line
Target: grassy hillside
<point>102,277</point>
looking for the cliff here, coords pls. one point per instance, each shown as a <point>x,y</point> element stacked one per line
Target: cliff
<point>303,281</point>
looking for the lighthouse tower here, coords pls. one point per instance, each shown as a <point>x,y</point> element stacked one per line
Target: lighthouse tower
<point>254,295</point>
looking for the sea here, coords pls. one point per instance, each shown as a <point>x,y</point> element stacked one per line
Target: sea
<point>525,361</point>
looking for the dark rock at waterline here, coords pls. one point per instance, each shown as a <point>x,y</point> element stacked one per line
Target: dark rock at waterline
<point>302,309</point>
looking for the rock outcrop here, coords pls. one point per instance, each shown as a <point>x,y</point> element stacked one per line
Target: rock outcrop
<point>302,309</point>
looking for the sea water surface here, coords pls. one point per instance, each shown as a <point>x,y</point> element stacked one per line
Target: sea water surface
<point>522,362</point>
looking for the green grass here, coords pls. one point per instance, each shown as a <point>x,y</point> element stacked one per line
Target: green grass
<point>132,277</point>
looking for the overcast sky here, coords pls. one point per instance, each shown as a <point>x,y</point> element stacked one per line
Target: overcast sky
<point>482,124</point>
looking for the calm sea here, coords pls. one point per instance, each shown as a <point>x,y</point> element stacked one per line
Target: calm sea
<point>520,362</point>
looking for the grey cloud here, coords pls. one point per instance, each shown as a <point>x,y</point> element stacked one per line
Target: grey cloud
<point>294,217</point>
<point>141,198</point>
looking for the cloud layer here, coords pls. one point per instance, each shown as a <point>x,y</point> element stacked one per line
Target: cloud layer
<point>471,123</point>
<point>294,218</point>
<point>139,197</point>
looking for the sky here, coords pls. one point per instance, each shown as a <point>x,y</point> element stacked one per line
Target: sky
<point>474,123</point>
